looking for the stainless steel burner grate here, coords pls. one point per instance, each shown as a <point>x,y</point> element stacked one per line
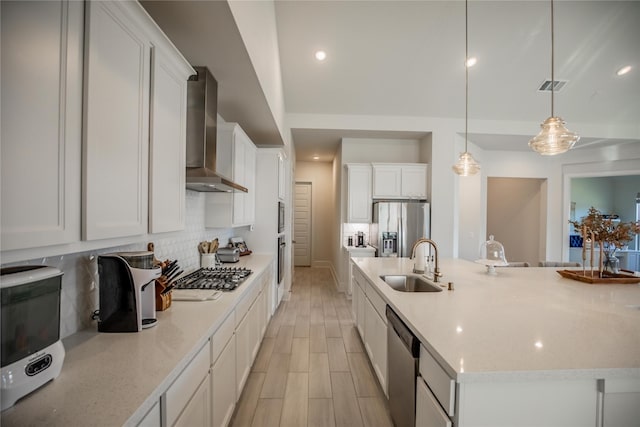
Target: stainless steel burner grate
<point>219,278</point>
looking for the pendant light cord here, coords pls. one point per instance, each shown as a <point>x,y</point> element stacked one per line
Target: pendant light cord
<point>553,81</point>
<point>466,72</point>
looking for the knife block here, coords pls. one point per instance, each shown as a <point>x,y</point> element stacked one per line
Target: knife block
<point>163,301</point>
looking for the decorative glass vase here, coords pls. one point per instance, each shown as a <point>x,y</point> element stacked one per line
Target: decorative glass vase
<point>611,262</point>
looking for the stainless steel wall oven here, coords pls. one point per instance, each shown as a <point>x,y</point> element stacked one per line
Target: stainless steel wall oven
<point>280,217</point>
<point>281,245</point>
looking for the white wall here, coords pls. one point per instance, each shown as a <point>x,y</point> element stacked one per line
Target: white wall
<point>513,217</point>
<point>557,170</point>
<point>256,21</point>
<point>608,194</point>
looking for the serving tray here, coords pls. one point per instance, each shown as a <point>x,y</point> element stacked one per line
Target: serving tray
<point>609,278</point>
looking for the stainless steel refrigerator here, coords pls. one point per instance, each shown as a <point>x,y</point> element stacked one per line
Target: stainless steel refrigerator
<point>397,225</point>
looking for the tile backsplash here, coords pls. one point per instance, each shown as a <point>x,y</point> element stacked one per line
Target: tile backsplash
<point>79,297</point>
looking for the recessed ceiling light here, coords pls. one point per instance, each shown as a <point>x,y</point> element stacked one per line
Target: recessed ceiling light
<point>471,61</point>
<point>321,55</point>
<point>624,70</point>
<point>316,157</point>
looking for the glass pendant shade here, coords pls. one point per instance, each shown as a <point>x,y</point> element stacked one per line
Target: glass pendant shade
<point>466,165</point>
<point>554,138</point>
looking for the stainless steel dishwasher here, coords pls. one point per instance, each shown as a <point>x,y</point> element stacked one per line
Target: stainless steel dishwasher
<point>403,351</point>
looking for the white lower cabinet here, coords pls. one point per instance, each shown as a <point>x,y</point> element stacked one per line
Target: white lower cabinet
<point>552,403</point>
<point>376,343</point>
<point>152,418</point>
<point>250,329</point>
<point>428,410</point>
<point>243,352</point>
<point>197,413</point>
<point>368,309</point>
<point>187,402</point>
<point>223,385</point>
<point>358,303</point>
<point>620,402</point>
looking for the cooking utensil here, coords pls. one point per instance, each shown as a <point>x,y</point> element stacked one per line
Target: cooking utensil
<point>168,289</point>
<point>174,275</point>
<point>169,270</point>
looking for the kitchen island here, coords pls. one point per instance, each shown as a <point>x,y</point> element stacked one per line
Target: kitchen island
<point>114,379</point>
<point>523,334</point>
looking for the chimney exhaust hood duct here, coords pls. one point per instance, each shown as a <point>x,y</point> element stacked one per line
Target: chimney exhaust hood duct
<point>202,99</point>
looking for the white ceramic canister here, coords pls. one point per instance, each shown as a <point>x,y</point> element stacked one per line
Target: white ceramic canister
<point>208,260</point>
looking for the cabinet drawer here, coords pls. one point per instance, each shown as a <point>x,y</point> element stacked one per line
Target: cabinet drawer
<point>180,392</point>
<point>442,386</point>
<point>222,336</point>
<point>245,303</point>
<point>377,301</point>
<point>428,410</point>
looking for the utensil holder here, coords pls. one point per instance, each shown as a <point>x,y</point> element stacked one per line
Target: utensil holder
<point>163,301</point>
<point>208,260</point>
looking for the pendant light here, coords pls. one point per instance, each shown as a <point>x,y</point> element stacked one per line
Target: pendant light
<point>554,138</point>
<point>466,164</point>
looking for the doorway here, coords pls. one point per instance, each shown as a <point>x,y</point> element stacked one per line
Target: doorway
<point>302,225</point>
<point>516,217</point>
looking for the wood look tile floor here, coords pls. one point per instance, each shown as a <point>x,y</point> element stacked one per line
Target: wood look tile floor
<point>311,369</point>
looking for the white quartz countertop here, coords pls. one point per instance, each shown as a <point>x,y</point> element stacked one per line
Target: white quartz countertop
<point>521,323</point>
<point>113,379</point>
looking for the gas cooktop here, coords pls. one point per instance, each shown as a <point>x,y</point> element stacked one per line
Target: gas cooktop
<point>218,278</point>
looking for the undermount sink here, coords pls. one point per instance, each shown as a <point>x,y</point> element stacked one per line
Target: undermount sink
<point>410,283</point>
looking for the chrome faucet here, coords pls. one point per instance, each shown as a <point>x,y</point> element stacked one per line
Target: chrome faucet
<point>436,273</point>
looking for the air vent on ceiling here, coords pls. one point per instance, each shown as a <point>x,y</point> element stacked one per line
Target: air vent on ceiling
<point>557,85</point>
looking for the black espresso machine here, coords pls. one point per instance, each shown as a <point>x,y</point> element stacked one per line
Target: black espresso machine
<point>127,291</point>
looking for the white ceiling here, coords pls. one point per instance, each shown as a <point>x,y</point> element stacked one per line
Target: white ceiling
<point>405,59</point>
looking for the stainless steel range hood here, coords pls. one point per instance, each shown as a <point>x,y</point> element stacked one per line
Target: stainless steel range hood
<point>202,99</point>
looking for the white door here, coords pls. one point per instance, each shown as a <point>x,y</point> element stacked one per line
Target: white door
<point>302,225</point>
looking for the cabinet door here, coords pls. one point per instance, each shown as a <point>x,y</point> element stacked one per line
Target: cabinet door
<point>354,300</point>
<point>250,176</point>
<point>153,418</point>
<point>197,413</point>
<point>375,330</point>
<point>359,193</point>
<point>244,349</point>
<point>621,403</point>
<point>362,300</point>
<point>223,385</point>
<point>428,411</point>
<point>239,154</point>
<point>116,144</point>
<point>414,181</point>
<point>387,181</point>
<point>41,122</point>
<point>168,145</point>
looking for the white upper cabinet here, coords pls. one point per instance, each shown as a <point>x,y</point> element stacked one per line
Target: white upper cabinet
<point>116,143</point>
<point>41,122</point>
<point>236,160</point>
<point>358,193</point>
<point>394,180</point>
<point>135,124</point>
<point>169,74</point>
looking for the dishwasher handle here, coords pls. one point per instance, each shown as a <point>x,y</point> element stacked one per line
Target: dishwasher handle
<point>403,332</point>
